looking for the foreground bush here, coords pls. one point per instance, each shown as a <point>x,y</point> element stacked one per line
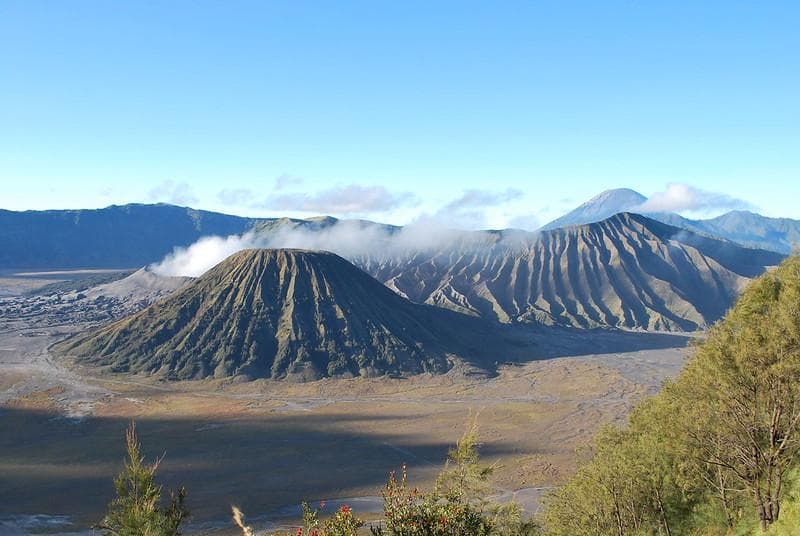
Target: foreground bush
<point>456,506</point>
<point>342,523</point>
<point>408,512</point>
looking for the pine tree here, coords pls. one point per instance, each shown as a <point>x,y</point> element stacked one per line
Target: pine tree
<point>464,477</point>
<point>137,510</point>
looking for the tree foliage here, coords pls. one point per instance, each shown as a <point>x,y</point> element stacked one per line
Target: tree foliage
<point>712,451</point>
<point>410,512</point>
<point>464,477</point>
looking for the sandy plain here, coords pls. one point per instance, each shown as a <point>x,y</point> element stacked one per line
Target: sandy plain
<point>267,445</point>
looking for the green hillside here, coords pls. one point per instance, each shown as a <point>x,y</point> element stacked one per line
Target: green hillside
<point>716,452</point>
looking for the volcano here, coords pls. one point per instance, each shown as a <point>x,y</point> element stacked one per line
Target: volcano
<point>282,313</point>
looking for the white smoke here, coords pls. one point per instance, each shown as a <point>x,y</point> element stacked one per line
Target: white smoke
<point>350,239</point>
<point>196,259</point>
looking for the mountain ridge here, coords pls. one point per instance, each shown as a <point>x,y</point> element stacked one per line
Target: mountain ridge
<point>628,271</point>
<point>743,227</point>
<point>134,235</point>
<point>117,236</point>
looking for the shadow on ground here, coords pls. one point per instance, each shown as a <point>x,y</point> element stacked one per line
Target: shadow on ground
<point>60,467</point>
<point>526,343</point>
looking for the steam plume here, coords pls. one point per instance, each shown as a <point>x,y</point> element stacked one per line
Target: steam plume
<point>350,239</point>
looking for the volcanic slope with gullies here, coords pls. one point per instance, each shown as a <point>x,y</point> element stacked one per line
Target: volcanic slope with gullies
<point>627,271</point>
<point>277,313</point>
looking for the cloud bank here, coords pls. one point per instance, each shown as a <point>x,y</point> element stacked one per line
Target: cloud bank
<point>236,196</point>
<point>469,210</point>
<point>348,200</point>
<point>355,239</point>
<point>680,197</point>
<point>345,200</point>
<point>287,181</point>
<point>473,198</point>
<point>473,208</point>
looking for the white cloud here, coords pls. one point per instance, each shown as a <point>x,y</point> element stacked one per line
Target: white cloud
<point>482,198</point>
<point>680,197</point>
<point>239,197</point>
<point>526,222</point>
<point>196,259</point>
<point>472,208</point>
<point>176,193</point>
<point>346,238</point>
<point>247,197</point>
<point>353,199</point>
<point>285,181</point>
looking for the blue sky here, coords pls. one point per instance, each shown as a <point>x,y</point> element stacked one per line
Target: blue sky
<point>486,113</point>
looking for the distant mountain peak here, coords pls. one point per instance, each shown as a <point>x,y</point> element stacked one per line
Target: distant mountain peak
<point>600,207</point>
<point>616,195</point>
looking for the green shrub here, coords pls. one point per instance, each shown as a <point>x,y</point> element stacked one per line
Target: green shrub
<point>343,523</point>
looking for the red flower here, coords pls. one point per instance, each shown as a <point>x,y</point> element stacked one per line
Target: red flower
<point>345,509</point>
<point>321,504</point>
<point>299,532</point>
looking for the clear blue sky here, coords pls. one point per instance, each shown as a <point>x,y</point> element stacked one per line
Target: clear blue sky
<point>392,110</point>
